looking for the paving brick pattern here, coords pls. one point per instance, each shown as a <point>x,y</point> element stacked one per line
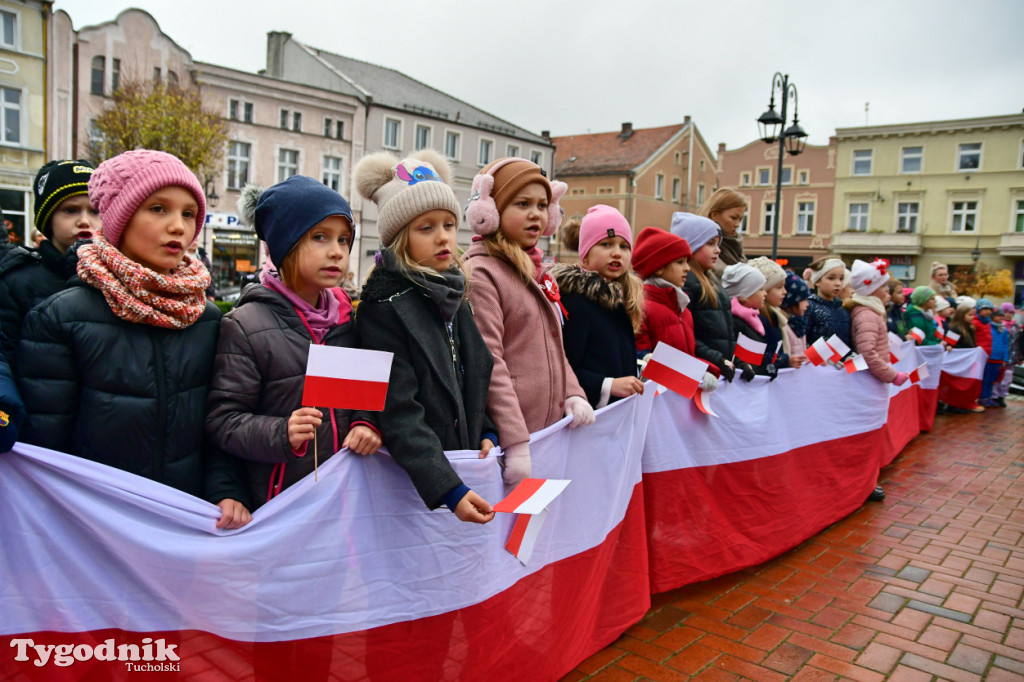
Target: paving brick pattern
<point>924,586</point>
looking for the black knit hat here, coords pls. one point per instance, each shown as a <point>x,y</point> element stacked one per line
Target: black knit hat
<point>55,182</point>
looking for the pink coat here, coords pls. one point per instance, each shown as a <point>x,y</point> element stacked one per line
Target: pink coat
<point>871,339</point>
<point>531,377</point>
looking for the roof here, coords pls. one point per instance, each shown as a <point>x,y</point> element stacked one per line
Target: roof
<point>601,153</point>
<point>391,88</point>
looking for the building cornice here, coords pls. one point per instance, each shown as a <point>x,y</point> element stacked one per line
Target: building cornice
<point>932,127</point>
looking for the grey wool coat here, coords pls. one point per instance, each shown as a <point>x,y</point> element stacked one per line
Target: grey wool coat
<point>436,401</point>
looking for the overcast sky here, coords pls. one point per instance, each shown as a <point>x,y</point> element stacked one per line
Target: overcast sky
<point>574,67</point>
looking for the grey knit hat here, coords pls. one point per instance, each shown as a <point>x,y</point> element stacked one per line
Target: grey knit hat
<point>773,273</point>
<point>406,188</point>
<point>741,281</point>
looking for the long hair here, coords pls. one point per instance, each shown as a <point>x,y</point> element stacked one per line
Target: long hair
<point>722,200</point>
<point>632,298</point>
<point>708,287</point>
<point>400,247</point>
<point>497,244</point>
<point>959,323</point>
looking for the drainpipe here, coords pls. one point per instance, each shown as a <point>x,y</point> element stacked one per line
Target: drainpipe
<point>689,169</point>
<point>629,198</point>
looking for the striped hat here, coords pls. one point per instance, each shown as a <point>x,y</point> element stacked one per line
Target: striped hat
<point>55,182</point>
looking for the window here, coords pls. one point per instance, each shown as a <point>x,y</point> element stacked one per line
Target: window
<point>512,150</point>
<point>605,190</point>
<point>805,217</point>
<point>9,36</point>
<point>742,229</point>
<point>238,164</point>
<point>577,191</point>
<point>803,177</point>
<point>283,122</point>
<point>862,162</point>
<point>115,74</point>
<point>910,161</point>
<point>422,137</point>
<point>247,112</point>
<point>332,172</point>
<point>1019,217</point>
<point>233,109</point>
<point>451,145</point>
<point>172,77</point>
<point>676,184</point>
<point>700,194</point>
<point>334,128</point>
<point>486,152</point>
<point>659,186</point>
<point>99,67</point>
<point>156,74</point>
<point>392,133</point>
<point>965,216</point>
<point>701,165</point>
<point>764,176</point>
<point>287,164</point>
<point>787,175</point>
<point>11,112</point>
<point>769,217</point>
<point>15,202</point>
<point>745,179</point>
<point>907,213</point>
<point>537,158</point>
<point>858,218</point>
<point>297,121</point>
<point>679,158</point>
<point>328,127</point>
<point>970,156</point>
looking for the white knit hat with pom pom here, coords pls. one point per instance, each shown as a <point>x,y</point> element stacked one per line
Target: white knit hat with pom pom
<point>406,188</point>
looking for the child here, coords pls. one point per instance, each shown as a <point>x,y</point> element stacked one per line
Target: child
<point>920,314</point>
<point>255,409</point>
<point>846,293</point>
<point>714,336</point>
<point>962,322</point>
<point>774,320</point>
<point>982,325</point>
<point>745,286</point>
<point>414,305</point>
<point>1015,354</point>
<point>115,368</point>
<point>869,333</point>
<point>996,364</point>
<point>517,307</point>
<point>943,311</point>
<point>604,301</point>
<point>65,215</point>
<point>894,311</point>
<point>726,207</point>
<point>825,313</point>
<point>794,305</point>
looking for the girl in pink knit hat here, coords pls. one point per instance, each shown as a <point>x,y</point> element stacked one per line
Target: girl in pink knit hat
<point>115,368</point>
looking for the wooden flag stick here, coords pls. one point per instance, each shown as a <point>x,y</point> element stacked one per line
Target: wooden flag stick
<point>316,461</point>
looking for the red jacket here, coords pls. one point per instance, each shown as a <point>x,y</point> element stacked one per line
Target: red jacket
<point>663,321</point>
<point>982,334</point>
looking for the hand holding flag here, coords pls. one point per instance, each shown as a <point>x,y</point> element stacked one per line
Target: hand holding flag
<point>819,353</point>
<point>674,369</point>
<point>917,335</point>
<point>750,351</point>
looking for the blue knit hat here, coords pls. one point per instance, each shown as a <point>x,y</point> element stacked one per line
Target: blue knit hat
<point>282,214</point>
<point>984,303</point>
<point>796,290</point>
<point>696,230</point>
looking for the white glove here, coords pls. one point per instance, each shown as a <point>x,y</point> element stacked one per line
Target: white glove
<point>517,464</point>
<point>709,383</point>
<point>580,411</point>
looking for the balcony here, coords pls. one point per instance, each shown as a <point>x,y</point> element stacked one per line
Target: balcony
<point>1011,244</point>
<point>899,244</point>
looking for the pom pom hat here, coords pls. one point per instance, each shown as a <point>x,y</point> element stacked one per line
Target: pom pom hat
<point>696,230</point>
<point>656,248</point>
<point>773,273</point>
<point>55,182</point>
<point>796,290</point>
<point>865,278</point>
<point>602,222</point>
<point>404,189</point>
<point>497,184</point>
<point>742,281</point>
<point>120,184</point>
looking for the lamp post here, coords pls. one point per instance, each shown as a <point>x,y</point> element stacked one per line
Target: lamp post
<point>792,140</point>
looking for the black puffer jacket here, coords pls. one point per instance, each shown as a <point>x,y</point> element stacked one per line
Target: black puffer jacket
<point>430,407</point>
<point>257,383</point>
<point>131,396</point>
<point>30,276</point>
<point>598,334</point>
<point>713,330</point>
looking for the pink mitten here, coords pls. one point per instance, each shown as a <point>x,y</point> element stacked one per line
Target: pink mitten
<point>901,378</point>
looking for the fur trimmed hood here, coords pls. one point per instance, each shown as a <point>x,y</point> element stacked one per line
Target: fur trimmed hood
<point>573,279</point>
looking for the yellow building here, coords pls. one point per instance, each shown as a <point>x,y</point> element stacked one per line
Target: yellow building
<point>23,27</point>
<point>937,191</point>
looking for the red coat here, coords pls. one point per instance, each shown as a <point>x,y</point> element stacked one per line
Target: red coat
<point>982,334</point>
<point>663,321</point>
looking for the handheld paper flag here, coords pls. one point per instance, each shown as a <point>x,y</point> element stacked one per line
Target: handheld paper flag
<point>674,369</point>
<point>917,334</point>
<point>531,496</point>
<point>856,364</point>
<point>524,535</point>
<point>819,352</point>
<point>702,400</point>
<point>346,378</point>
<point>952,338</point>
<point>919,374</point>
<point>837,345</point>
<point>939,333</point>
<point>750,351</point>
<point>778,349</point>
<point>895,340</point>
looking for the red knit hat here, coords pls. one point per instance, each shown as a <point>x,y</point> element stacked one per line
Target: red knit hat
<point>655,248</point>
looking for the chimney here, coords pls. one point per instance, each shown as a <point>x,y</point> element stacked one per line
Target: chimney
<point>546,134</point>
<point>721,147</point>
<point>627,131</point>
<point>686,119</point>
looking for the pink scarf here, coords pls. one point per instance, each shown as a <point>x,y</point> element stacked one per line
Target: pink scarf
<point>328,313</point>
<point>748,315</point>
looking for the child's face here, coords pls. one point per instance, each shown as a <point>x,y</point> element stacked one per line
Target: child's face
<point>609,258</point>
<point>74,219</point>
<point>829,286</point>
<point>675,272</point>
<point>985,313</point>
<point>707,255</point>
<point>802,307</point>
<point>882,293</point>
<point>969,317</point>
<point>161,229</point>
<point>322,257</point>
<point>997,316</point>
<point>929,304</point>
<point>432,239</point>
<point>755,300</point>
<point>525,219</point>
<point>730,219</point>
<point>897,296</point>
<point>776,294</point>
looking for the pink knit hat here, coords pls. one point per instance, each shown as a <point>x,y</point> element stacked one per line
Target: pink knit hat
<point>602,222</point>
<point>120,184</point>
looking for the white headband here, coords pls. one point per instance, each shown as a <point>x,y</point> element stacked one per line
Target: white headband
<point>830,264</point>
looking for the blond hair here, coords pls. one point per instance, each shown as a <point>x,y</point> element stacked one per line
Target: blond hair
<point>499,245</point>
<point>721,200</point>
<point>632,298</point>
<point>708,289</point>
<point>400,247</point>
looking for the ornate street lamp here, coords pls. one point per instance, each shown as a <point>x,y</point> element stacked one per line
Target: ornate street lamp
<point>792,140</point>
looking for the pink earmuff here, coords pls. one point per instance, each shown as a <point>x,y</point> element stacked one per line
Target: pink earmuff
<point>482,213</point>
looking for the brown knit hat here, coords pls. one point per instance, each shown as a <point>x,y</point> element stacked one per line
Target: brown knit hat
<point>512,177</point>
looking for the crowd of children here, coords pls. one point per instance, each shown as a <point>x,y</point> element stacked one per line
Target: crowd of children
<point>488,346</point>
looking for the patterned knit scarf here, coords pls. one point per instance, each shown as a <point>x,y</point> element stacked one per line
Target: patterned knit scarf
<point>137,294</point>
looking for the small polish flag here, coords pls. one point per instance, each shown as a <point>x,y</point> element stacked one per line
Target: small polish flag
<point>917,334</point>
<point>939,333</point>
<point>840,348</point>
<point>346,378</point>
<point>531,496</point>
<point>855,364</point>
<point>778,349</point>
<point>919,374</point>
<point>895,340</point>
<point>819,353</point>
<point>952,338</point>
<point>750,351</point>
<point>524,535</point>
<point>674,369</point>
<point>703,402</point>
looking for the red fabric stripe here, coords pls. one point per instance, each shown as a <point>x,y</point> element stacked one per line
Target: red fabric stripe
<point>926,404</point>
<point>344,394</point>
<point>526,488</point>
<point>670,378</point>
<point>747,355</point>
<point>962,392</point>
<point>901,425</point>
<point>515,540</point>
<point>813,356</point>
